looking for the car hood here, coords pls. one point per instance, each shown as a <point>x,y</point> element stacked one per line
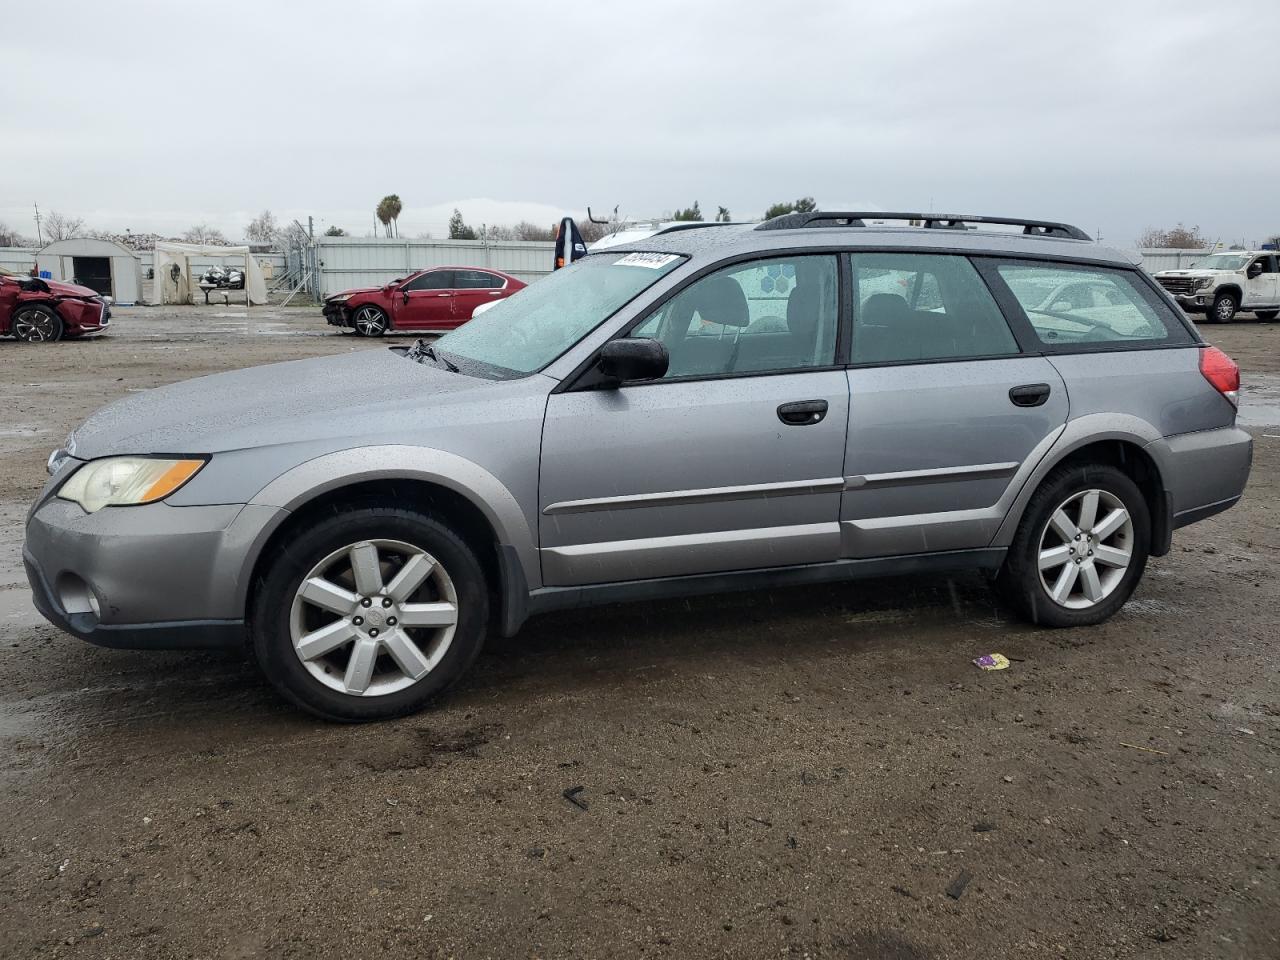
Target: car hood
<point>352,292</point>
<point>1191,273</point>
<point>59,288</point>
<point>363,395</point>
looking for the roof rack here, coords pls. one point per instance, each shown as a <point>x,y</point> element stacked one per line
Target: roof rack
<point>934,221</point>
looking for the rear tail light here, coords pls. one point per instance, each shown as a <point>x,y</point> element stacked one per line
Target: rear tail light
<point>1222,372</point>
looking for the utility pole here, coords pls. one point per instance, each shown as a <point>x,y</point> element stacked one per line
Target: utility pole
<point>311,233</point>
<point>39,237</point>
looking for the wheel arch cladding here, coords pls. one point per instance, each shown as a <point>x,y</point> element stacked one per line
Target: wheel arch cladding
<point>1232,289</point>
<point>1131,459</point>
<point>401,492</point>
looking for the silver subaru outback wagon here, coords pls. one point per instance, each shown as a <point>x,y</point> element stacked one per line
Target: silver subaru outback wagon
<point>809,399</point>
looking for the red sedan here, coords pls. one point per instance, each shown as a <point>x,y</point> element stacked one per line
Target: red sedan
<point>38,310</point>
<point>440,298</point>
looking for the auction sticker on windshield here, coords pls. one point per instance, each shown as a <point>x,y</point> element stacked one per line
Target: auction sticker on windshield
<point>654,261</point>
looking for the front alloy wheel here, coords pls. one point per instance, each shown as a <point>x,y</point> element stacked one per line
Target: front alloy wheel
<point>37,324</point>
<point>369,321</point>
<point>1085,549</point>
<point>374,617</point>
<point>368,610</point>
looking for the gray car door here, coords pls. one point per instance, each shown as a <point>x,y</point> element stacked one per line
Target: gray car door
<point>946,415</point>
<point>733,461</point>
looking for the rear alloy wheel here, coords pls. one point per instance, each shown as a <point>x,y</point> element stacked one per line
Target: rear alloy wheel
<point>1081,547</point>
<point>37,324</point>
<point>369,321</point>
<point>1224,308</point>
<point>1266,315</point>
<point>369,614</point>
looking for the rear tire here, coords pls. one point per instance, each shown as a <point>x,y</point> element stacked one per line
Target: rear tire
<point>36,323</point>
<point>1080,549</point>
<point>1224,309</point>
<point>369,321</point>
<point>1266,315</point>
<point>369,613</point>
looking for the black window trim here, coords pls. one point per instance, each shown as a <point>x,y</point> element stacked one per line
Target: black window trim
<point>579,379</point>
<point>1181,334</point>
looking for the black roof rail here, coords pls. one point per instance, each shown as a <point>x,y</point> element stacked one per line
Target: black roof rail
<point>934,221</point>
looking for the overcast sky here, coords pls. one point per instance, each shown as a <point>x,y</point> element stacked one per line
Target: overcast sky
<point>1113,115</point>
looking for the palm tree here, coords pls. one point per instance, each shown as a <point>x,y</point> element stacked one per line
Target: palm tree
<point>389,208</point>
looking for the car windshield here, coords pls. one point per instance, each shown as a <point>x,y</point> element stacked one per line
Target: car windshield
<point>1222,261</point>
<point>528,330</point>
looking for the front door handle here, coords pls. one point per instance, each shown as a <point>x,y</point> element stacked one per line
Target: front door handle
<point>444,294</point>
<point>1029,394</point>
<point>802,412</point>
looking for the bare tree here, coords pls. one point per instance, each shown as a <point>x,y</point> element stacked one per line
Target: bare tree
<point>591,232</point>
<point>56,226</point>
<point>524,230</point>
<point>203,233</point>
<point>262,228</point>
<point>11,238</point>
<point>1179,237</point>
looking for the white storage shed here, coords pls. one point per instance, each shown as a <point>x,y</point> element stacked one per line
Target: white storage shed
<point>101,265</point>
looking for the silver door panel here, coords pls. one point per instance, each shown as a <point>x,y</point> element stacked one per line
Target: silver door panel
<point>937,452</point>
<point>625,471</point>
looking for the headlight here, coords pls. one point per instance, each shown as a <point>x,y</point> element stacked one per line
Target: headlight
<point>125,481</point>
<point>341,298</point>
<point>1203,282</point>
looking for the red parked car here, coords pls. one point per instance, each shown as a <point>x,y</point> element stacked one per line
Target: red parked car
<point>440,298</point>
<point>38,310</point>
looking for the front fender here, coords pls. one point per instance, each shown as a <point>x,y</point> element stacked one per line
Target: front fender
<point>303,483</point>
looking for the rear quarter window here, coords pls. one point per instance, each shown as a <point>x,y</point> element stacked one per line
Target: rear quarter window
<point>1069,306</point>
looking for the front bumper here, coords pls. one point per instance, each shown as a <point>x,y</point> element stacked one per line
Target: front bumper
<point>145,577</point>
<point>337,314</point>
<point>1192,300</point>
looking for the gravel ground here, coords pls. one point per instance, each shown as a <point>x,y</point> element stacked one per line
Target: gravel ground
<point>807,772</point>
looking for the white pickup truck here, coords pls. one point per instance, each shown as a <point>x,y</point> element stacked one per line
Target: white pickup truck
<point>1223,283</point>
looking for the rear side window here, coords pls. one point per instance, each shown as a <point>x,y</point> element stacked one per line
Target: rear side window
<point>476,280</point>
<point>1086,305</point>
<point>911,307</point>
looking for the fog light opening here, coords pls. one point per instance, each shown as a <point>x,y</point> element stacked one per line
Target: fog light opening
<point>77,597</point>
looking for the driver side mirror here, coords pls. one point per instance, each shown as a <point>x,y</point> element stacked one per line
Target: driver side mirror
<point>632,359</point>
<point>1255,269</point>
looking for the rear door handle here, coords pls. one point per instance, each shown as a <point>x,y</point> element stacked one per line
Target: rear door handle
<point>802,412</point>
<point>1029,394</point>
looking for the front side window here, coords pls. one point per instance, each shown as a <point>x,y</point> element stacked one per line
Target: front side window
<point>1067,304</point>
<point>765,316</point>
<point>526,331</point>
<point>432,280</point>
<point>1268,264</point>
<point>911,307</point>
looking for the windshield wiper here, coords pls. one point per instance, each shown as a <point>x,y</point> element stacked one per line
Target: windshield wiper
<point>424,349</point>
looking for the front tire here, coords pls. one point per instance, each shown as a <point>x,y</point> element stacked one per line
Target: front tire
<point>369,321</point>
<point>1224,309</point>
<point>37,323</point>
<point>1080,549</point>
<point>369,613</point>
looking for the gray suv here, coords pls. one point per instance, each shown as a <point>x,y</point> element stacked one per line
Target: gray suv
<point>810,399</point>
